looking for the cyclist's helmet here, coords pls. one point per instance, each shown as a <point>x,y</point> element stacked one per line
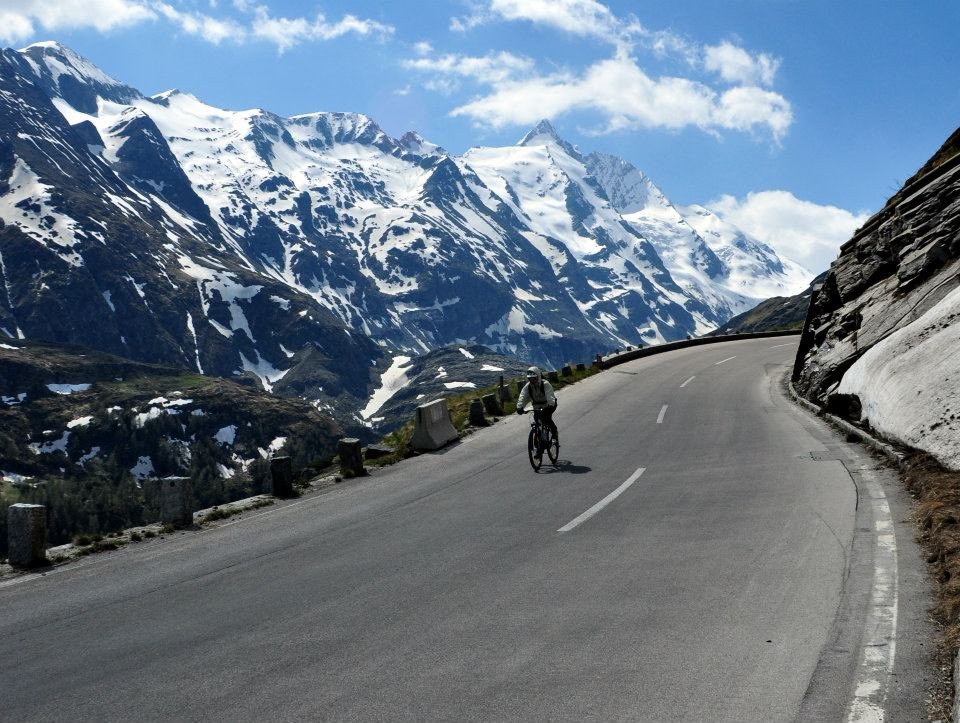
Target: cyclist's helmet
<point>533,374</point>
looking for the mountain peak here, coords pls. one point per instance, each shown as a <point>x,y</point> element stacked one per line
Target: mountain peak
<point>71,62</point>
<point>543,130</point>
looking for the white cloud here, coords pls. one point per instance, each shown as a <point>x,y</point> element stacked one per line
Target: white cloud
<point>736,65</point>
<point>630,99</point>
<point>21,19</point>
<point>423,48</point>
<point>619,89</point>
<point>489,69</point>
<point>801,230</point>
<point>211,29</point>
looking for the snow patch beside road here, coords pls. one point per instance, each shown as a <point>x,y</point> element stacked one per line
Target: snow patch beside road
<point>909,383</point>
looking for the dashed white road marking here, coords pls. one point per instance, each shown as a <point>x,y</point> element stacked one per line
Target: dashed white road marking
<point>725,360</point>
<point>780,345</point>
<point>602,503</point>
<point>688,381</point>
<point>879,643</point>
<point>663,411</point>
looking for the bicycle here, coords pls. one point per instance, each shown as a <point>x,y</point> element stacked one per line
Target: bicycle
<point>541,440</point>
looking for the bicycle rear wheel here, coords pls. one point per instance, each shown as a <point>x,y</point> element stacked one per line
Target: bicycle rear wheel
<point>533,450</point>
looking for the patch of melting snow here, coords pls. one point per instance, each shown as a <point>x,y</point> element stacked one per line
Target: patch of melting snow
<point>490,368</point>
<point>94,451</point>
<point>142,469</point>
<point>13,477</point>
<point>460,385</point>
<point>11,348</point>
<point>224,471</point>
<point>79,422</point>
<point>67,389</point>
<point>226,435</point>
<point>392,381</point>
<point>14,401</point>
<point>57,445</point>
<point>467,354</point>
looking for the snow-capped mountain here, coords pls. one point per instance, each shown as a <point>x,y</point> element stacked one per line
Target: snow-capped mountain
<point>307,251</point>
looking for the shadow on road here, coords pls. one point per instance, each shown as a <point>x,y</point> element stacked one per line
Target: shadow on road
<point>565,465</point>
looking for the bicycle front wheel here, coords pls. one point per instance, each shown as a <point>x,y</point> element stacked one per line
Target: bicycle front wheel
<point>533,451</point>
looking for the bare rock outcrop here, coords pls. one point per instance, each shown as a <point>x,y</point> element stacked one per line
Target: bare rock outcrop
<point>900,264</point>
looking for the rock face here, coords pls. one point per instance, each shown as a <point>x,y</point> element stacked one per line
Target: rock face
<point>900,265</point>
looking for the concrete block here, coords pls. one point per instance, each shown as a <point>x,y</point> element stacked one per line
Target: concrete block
<point>281,475</point>
<point>553,377</point>
<point>176,501</point>
<point>433,426</point>
<point>477,417</point>
<point>351,460</point>
<point>27,535</point>
<point>566,371</point>
<point>581,367</point>
<point>492,405</point>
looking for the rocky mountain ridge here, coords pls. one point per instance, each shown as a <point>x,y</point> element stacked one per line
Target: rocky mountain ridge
<point>307,252</point>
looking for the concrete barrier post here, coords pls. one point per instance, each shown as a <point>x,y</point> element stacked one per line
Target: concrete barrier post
<point>433,427</point>
<point>176,501</point>
<point>281,476</point>
<point>477,418</point>
<point>598,361</point>
<point>566,371</point>
<point>581,367</point>
<point>553,377</point>
<point>27,535</point>
<point>351,459</point>
<point>492,405</point>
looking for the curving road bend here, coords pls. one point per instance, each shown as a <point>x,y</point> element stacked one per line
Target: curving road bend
<point>700,554</point>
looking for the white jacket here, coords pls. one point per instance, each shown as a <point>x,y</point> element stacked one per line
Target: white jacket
<point>543,397</point>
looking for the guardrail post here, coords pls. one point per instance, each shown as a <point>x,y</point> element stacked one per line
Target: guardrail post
<point>351,459</point>
<point>176,501</point>
<point>492,405</point>
<point>505,395</point>
<point>27,535</point>
<point>581,367</point>
<point>281,476</point>
<point>553,376</point>
<point>566,371</point>
<point>477,418</point>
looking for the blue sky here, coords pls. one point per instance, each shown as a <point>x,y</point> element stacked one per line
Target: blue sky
<point>793,118</point>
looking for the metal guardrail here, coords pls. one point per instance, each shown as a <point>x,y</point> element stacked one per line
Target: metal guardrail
<point>612,360</point>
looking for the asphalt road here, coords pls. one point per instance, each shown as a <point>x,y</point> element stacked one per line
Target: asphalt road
<point>736,578</point>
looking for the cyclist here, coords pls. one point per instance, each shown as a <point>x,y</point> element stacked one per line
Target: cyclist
<point>540,392</point>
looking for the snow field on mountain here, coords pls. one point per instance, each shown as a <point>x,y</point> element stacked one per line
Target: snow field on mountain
<point>909,383</point>
<point>391,381</point>
<point>27,206</point>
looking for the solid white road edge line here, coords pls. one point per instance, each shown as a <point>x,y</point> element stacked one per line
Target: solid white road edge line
<point>688,381</point>
<point>725,360</point>
<point>663,411</point>
<point>879,643</point>
<point>602,503</point>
